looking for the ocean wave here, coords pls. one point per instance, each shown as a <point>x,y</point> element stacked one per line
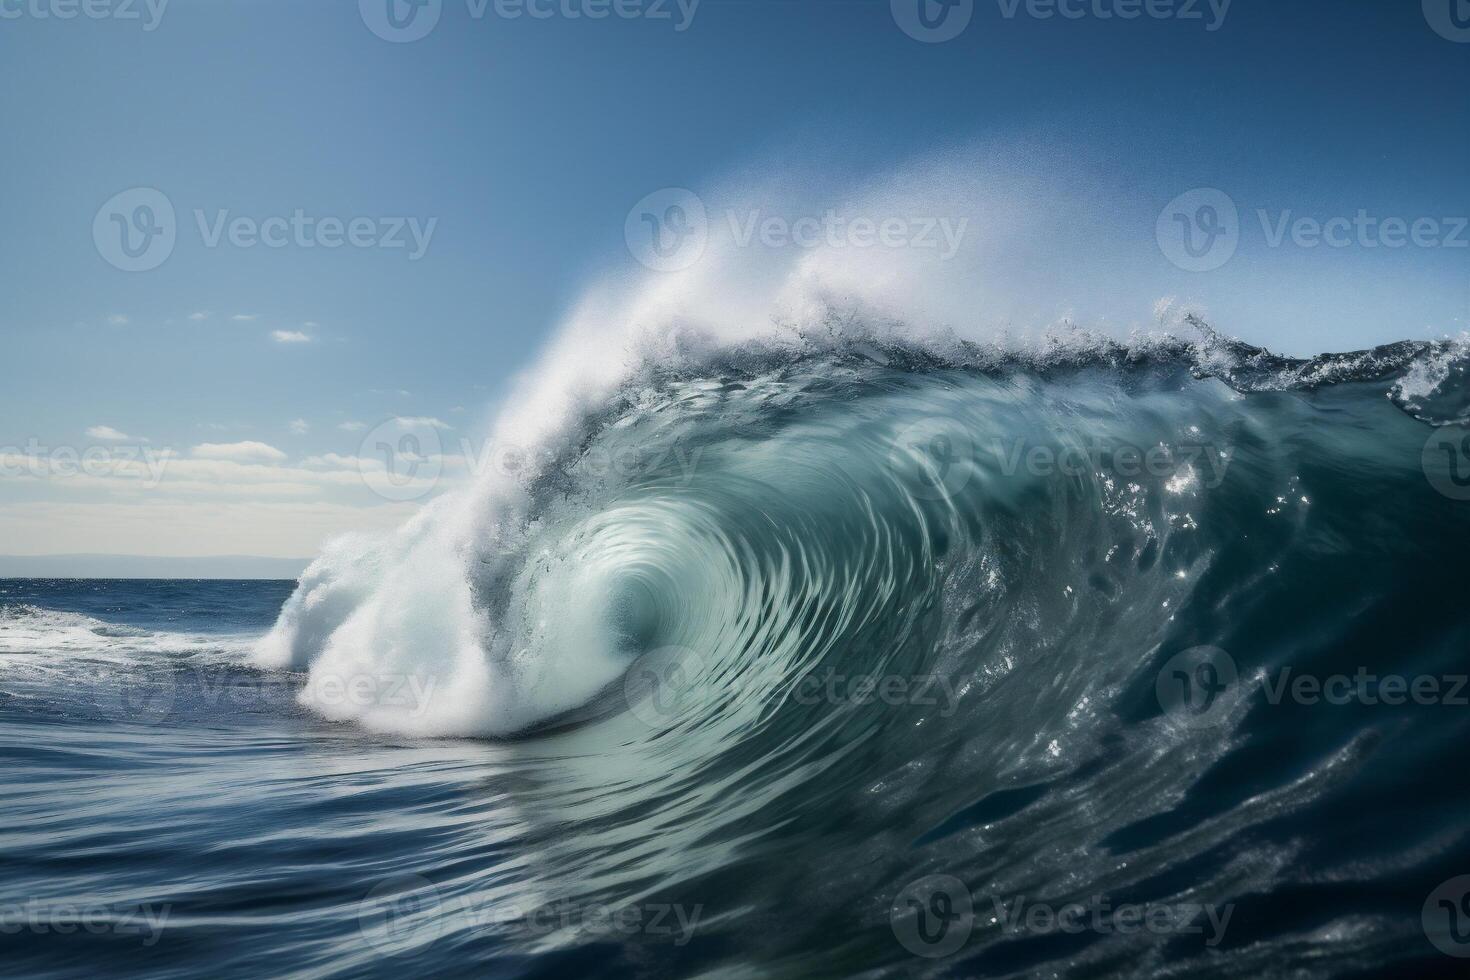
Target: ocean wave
<point>841,495</point>
<point>60,642</point>
<point>915,604</point>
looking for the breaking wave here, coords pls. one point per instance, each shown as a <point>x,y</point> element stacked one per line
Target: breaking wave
<point>853,500</point>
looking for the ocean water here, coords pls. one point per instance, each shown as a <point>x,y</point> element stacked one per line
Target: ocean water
<point>847,658</point>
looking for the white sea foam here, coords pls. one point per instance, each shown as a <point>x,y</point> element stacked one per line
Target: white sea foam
<point>46,641</point>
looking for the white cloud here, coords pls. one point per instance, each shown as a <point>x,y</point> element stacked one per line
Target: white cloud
<point>117,320</point>
<point>421,421</point>
<point>153,526</point>
<point>133,477</point>
<point>332,460</point>
<point>299,427</point>
<point>107,432</point>
<point>352,426</point>
<point>201,315</point>
<point>330,467</point>
<point>248,451</point>
<point>289,337</point>
<point>244,317</point>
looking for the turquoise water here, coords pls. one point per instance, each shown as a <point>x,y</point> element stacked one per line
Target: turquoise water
<point>877,662</point>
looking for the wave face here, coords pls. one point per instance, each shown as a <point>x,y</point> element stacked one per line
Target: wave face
<point>918,606</point>
<point>761,511</point>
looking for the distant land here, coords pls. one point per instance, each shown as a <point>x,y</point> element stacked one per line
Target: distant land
<point>139,566</point>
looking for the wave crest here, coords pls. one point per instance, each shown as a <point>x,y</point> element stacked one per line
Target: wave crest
<point>788,506</point>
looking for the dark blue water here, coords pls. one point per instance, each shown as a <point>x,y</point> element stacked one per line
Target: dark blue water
<point>888,709</point>
<point>166,605</point>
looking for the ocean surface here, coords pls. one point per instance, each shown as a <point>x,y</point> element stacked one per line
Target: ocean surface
<point>863,659</point>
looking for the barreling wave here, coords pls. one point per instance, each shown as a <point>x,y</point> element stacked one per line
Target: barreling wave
<point>737,463</point>
<point>807,619</point>
<point>847,500</point>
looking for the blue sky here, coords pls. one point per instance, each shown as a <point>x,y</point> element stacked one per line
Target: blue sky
<point>526,140</point>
